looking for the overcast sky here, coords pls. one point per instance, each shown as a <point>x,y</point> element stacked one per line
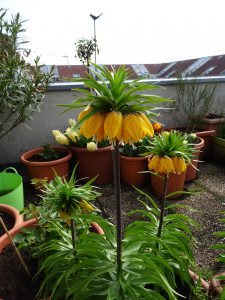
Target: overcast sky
<point>129,31</point>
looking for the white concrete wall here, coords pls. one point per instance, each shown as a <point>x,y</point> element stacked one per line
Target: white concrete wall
<point>22,138</point>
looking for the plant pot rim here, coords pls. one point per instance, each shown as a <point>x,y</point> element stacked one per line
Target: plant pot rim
<point>134,157</point>
<point>200,144</point>
<point>100,149</point>
<point>214,120</point>
<point>26,155</point>
<point>15,214</point>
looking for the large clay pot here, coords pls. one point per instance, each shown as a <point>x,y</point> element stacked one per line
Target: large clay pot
<point>175,183</point>
<point>192,168</point>
<point>48,168</point>
<point>14,213</point>
<point>206,135</point>
<point>92,163</point>
<point>218,149</point>
<point>130,168</point>
<point>212,124</point>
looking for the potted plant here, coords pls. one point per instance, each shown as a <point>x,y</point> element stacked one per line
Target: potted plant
<point>212,121</point>
<point>133,163</point>
<point>193,103</point>
<point>47,161</point>
<point>198,144</point>
<point>95,158</point>
<point>17,218</point>
<point>170,153</point>
<point>23,84</point>
<point>218,145</point>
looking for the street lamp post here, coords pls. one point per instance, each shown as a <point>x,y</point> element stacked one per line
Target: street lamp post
<point>95,18</point>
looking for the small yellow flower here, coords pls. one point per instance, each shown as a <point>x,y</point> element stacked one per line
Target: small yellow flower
<point>157,127</point>
<point>154,162</point>
<point>113,124</point>
<point>86,206</point>
<point>60,137</point>
<point>91,146</point>
<point>72,134</point>
<point>72,122</point>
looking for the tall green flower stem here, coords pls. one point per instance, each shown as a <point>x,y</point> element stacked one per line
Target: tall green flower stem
<point>73,233</point>
<point>162,208</point>
<point>116,172</point>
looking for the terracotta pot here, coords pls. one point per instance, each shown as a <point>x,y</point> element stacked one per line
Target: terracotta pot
<point>46,169</point>
<point>175,183</point>
<point>206,135</point>
<point>218,149</point>
<point>212,124</point>
<point>216,285</point>
<point>130,168</point>
<point>92,163</point>
<point>192,168</point>
<point>15,214</point>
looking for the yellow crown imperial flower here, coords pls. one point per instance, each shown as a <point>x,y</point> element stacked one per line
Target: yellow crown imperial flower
<point>64,216</point>
<point>149,127</point>
<point>180,165</point>
<point>84,112</point>
<point>113,124</point>
<point>91,126</point>
<point>86,206</point>
<point>91,146</point>
<point>134,128</point>
<point>163,165</point>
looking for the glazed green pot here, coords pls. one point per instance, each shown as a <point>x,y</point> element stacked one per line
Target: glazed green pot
<point>218,149</point>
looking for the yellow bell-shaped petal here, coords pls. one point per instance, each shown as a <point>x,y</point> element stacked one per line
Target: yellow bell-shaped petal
<point>125,136</point>
<point>86,206</point>
<point>84,112</point>
<point>179,164</point>
<point>148,125</point>
<point>154,163</point>
<point>166,165</point>
<point>133,128</point>
<point>100,134</point>
<point>113,124</point>
<point>91,126</point>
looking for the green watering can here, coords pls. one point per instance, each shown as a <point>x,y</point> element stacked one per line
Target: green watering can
<point>11,188</point>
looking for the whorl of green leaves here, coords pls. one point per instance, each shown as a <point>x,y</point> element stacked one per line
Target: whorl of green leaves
<point>111,89</point>
<point>61,195</point>
<point>171,144</point>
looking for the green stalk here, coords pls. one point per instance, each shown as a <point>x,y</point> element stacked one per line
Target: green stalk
<point>162,208</point>
<point>116,170</point>
<point>73,232</point>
